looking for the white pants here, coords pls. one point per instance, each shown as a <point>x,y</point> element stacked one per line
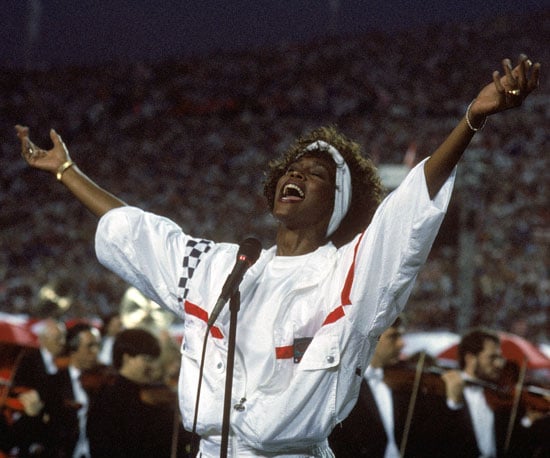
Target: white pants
<point>211,445</point>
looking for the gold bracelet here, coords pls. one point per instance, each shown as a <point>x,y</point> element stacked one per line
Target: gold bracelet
<point>62,168</point>
<point>468,118</point>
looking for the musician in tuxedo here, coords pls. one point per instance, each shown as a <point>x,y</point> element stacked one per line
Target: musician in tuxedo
<point>37,364</point>
<point>112,325</point>
<point>133,417</point>
<point>375,426</point>
<point>30,428</point>
<point>471,424</point>
<point>69,404</point>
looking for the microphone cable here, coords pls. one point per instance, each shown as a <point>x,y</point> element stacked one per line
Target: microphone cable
<point>199,384</point>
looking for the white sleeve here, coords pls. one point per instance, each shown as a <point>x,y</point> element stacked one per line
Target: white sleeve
<point>394,248</point>
<point>145,250</point>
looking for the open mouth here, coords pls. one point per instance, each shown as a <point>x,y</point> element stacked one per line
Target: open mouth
<point>292,193</point>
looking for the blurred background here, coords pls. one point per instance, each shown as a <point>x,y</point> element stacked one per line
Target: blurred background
<point>38,32</point>
<point>177,107</point>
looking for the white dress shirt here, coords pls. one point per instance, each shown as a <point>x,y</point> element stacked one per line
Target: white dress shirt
<point>106,352</point>
<point>49,363</point>
<point>483,420</point>
<point>82,448</point>
<point>384,401</point>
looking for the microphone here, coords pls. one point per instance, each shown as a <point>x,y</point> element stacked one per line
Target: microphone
<point>248,254</point>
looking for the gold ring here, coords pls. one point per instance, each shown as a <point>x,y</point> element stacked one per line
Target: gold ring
<point>513,92</point>
<point>528,62</point>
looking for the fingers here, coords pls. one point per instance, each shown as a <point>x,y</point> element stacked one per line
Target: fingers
<point>59,145</point>
<point>27,147</point>
<point>533,82</point>
<point>524,77</point>
<point>22,131</point>
<point>29,150</point>
<point>508,71</point>
<point>518,82</point>
<point>56,138</point>
<point>528,75</point>
<point>496,80</point>
<point>511,87</point>
<point>523,68</point>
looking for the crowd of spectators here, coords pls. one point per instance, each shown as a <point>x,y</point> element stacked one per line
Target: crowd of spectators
<point>189,138</point>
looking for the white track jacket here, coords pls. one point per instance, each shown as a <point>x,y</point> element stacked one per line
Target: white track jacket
<point>307,325</point>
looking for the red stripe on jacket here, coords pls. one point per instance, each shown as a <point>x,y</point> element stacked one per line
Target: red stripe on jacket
<point>201,314</point>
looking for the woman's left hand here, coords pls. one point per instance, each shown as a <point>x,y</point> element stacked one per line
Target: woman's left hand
<point>506,91</point>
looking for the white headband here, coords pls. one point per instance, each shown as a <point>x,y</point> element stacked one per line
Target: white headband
<point>342,193</point>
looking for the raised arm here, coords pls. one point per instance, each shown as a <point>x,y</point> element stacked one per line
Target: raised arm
<point>504,92</point>
<point>58,162</point>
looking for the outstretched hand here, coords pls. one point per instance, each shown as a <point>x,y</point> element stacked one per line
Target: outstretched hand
<point>57,160</point>
<point>48,160</point>
<point>508,90</point>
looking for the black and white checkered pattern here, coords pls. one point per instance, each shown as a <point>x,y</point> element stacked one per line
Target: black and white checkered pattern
<point>194,249</point>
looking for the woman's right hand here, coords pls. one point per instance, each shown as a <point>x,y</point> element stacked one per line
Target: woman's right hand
<point>58,162</point>
<point>48,160</point>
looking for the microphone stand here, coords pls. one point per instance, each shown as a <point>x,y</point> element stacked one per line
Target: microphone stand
<point>234,306</point>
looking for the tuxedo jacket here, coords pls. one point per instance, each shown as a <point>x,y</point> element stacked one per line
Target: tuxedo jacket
<point>456,436</point>
<point>123,425</point>
<point>64,413</point>
<point>28,433</point>
<point>362,433</point>
<point>31,372</point>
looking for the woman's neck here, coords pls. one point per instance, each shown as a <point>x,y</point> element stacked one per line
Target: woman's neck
<point>293,243</point>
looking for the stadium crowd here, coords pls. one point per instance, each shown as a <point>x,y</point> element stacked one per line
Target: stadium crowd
<point>205,126</point>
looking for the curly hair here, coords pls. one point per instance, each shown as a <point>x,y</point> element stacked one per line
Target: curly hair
<point>367,189</point>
